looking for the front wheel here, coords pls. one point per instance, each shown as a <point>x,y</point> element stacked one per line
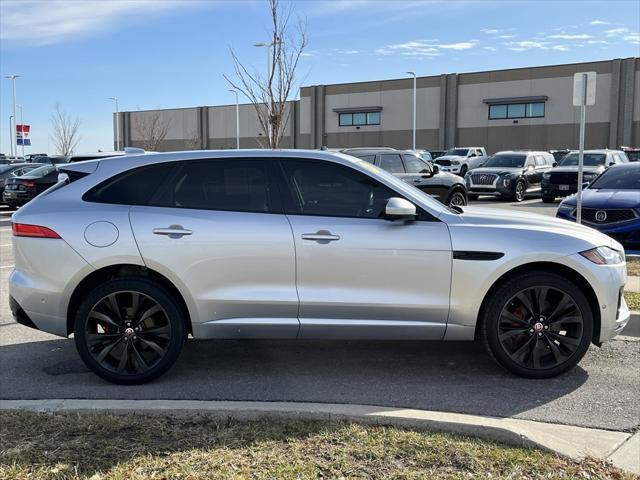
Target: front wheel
<point>457,199</point>
<point>129,330</point>
<point>519,191</point>
<point>537,325</point>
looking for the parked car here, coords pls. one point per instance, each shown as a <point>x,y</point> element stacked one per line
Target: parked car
<point>298,244</point>
<point>437,153</point>
<point>31,156</point>
<point>448,188</point>
<point>511,174</point>
<point>19,190</point>
<point>611,204</point>
<point>423,154</point>
<point>558,155</point>
<point>461,159</point>
<point>632,153</point>
<point>51,160</point>
<point>14,170</point>
<point>563,179</point>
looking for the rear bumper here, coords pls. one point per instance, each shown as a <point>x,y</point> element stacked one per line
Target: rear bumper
<point>16,197</point>
<point>19,315</point>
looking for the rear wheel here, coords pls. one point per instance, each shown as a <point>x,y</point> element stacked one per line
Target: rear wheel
<point>129,330</point>
<point>537,325</point>
<point>457,199</point>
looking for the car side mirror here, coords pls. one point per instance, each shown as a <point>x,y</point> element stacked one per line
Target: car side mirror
<point>612,164</point>
<point>554,164</point>
<point>585,184</point>
<point>435,169</point>
<point>399,209</point>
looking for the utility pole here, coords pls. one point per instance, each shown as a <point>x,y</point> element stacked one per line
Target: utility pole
<point>414,108</point>
<point>115,99</point>
<point>14,149</point>
<point>237,120</point>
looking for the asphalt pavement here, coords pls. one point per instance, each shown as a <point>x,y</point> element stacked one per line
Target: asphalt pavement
<point>602,392</point>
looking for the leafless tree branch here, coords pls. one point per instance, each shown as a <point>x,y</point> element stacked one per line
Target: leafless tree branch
<point>65,134</point>
<point>151,129</point>
<point>269,94</point>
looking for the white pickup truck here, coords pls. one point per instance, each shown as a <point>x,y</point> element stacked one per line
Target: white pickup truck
<point>461,159</point>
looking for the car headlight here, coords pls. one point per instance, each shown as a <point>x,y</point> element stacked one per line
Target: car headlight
<point>603,256</point>
<point>565,208</point>
<point>506,182</point>
<point>455,162</point>
<point>546,176</point>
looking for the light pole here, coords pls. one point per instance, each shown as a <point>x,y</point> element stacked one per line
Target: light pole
<point>237,120</point>
<point>414,108</point>
<point>115,99</point>
<point>11,133</point>
<point>14,152</point>
<point>21,123</point>
<point>277,41</point>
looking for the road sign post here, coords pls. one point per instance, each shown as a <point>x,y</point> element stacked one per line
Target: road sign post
<point>584,93</point>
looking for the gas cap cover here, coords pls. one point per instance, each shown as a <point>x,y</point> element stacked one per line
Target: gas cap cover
<point>101,234</point>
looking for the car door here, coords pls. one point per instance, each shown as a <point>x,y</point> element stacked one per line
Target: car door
<point>359,275</point>
<point>541,165</point>
<point>216,228</point>
<point>529,172</point>
<point>420,174</point>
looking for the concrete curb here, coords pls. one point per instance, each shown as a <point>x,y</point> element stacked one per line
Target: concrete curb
<point>569,441</point>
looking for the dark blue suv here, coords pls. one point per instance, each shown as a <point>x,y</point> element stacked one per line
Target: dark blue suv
<point>611,204</point>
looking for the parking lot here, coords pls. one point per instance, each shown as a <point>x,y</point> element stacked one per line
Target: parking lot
<point>457,377</point>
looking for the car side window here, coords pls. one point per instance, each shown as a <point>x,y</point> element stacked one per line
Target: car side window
<point>133,187</point>
<point>326,189</point>
<point>235,184</point>
<point>414,164</point>
<point>368,158</point>
<point>391,162</point>
<point>540,161</point>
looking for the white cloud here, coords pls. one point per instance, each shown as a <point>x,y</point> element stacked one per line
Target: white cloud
<point>424,48</point>
<point>490,31</point>
<point>633,38</point>
<point>616,32</point>
<point>52,21</point>
<point>560,48</point>
<point>347,52</point>
<point>491,49</point>
<point>598,22</point>
<point>571,37</point>
<point>504,37</point>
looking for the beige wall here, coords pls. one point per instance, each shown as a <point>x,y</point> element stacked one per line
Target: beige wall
<point>182,123</point>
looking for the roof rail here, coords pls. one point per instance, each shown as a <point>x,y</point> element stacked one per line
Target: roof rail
<point>134,151</point>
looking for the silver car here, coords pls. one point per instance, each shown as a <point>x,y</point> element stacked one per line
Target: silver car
<point>133,254</point>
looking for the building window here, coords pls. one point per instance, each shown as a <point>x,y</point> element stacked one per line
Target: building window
<point>516,110</point>
<point>358,119</point>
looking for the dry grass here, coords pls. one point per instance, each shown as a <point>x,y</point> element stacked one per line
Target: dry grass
<point>633,266</point>
<point>70,446</point>
<point>633,300</point>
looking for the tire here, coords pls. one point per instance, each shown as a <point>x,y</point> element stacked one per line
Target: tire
<point>472,196</point>
<point>134,356</point>
<point>457,197</point>
<point>463,170</point>
<point>548,199</point>
<point>519,191</point>
<point>514,342</point>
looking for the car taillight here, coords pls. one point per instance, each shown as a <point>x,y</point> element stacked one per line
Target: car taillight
<point>38,231</point>
<point>29,184</point>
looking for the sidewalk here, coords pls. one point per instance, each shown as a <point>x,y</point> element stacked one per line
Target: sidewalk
<point>620,448</point>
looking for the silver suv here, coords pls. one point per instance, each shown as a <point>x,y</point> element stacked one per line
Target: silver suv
<point>133,254</point>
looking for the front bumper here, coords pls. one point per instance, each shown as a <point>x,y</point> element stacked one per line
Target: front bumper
<point>497,189</point>
<point>554,190</point>
<point>627,233</point>
<point>450,168</point>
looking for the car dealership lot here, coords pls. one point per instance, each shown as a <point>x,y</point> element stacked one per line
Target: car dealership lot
<point>459,377</point>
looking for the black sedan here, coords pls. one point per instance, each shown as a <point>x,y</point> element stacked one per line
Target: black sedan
<point>7,172</point>
<point>19,190</point>
<point>448,188</point>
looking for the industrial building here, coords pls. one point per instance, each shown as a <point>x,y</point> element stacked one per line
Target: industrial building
<point>517,108</point>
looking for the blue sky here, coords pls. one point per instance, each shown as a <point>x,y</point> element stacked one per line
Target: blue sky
<point>172,53</point>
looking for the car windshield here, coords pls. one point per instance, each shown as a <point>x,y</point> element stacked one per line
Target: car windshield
<point>460,152</point>
<point>618,179</point>
<point>590,160</point>
<point>508,161</point>
<point>41,171</point>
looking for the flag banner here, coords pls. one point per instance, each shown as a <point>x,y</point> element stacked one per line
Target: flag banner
<point>23,129</point>
<point>24,141</point>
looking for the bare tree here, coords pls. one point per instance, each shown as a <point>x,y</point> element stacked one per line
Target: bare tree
<point>151,129</point>
<point>193,142</point>
<point>65,134</point>
<point>269,94</point>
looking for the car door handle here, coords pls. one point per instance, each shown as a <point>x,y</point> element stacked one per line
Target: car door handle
<point>174,231</point>
<point>321,236</point>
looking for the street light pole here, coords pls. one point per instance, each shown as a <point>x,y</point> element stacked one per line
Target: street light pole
<point>414,108</point>
<point>21,123</point>
<point>11,134</point>
<point>115,99</point>
<point>14,151</point>
<point>273,43</point>
<point>237,120</point>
